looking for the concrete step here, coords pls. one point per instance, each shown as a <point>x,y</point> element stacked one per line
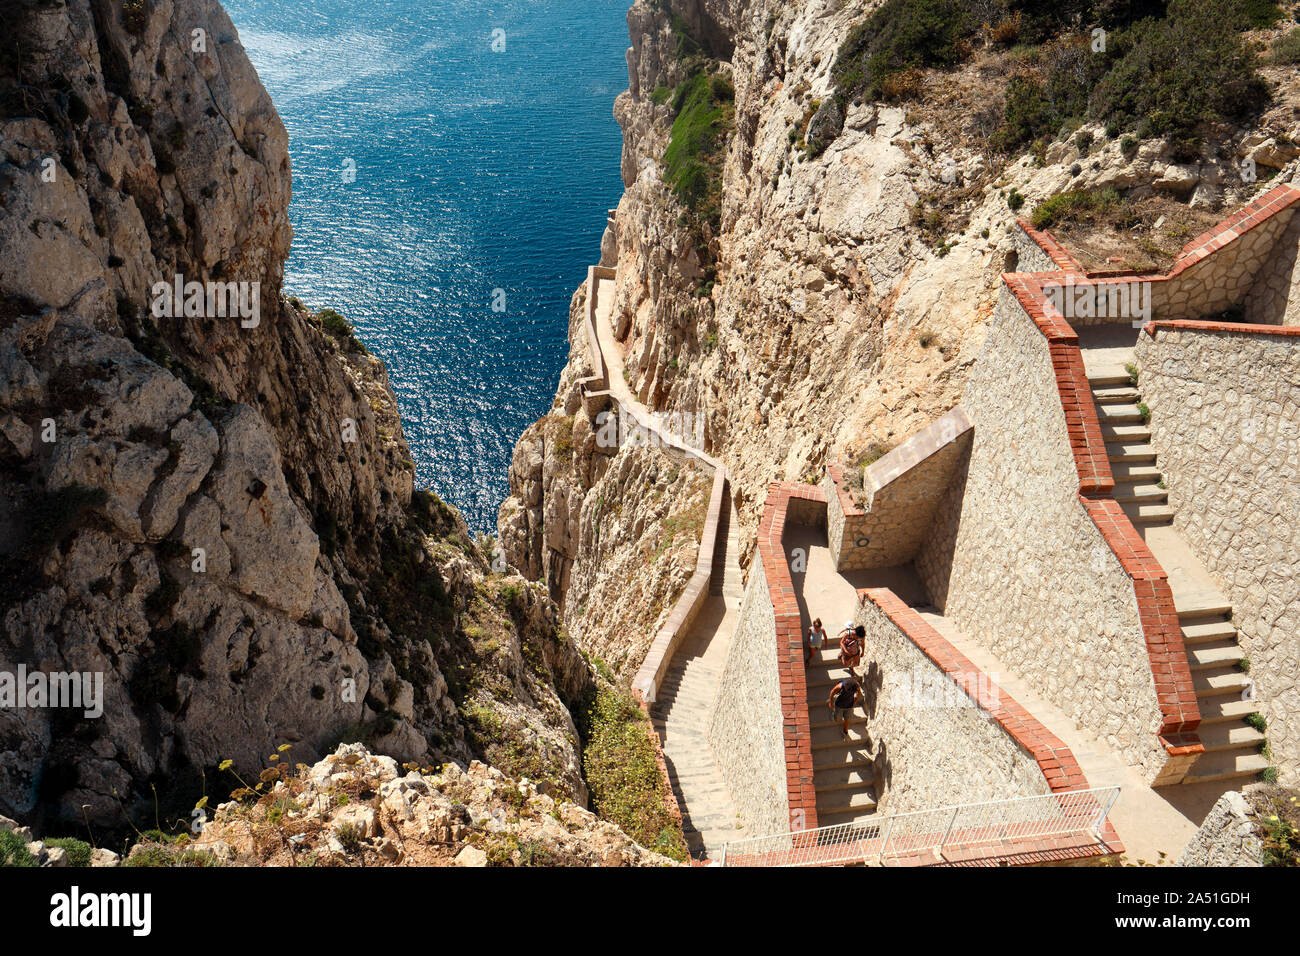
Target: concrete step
<point>1192,609</point>
<point>1140,493</point>
<point>1219,681</point>
<point>1125,433</point>
<point>1130,452</point>
<point>1134,471</point>
<point>1117,395</point>
<point>828,760</point>
<point>844,778</point>
<point>1225,710</point>
<point>1208,631</point>
<point>1204,656</point>
<point>1225,766</point>
<point>1144,514</point>
<point>1226,736</point>
<point>1109,376</point>
<point>1120,415</point>
<point>845,801</point>
<point>819,685</point>
<point>829,739</point>
<point>818,720</point>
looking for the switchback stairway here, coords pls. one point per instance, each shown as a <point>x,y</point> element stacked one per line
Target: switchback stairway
<point>1223,689</point>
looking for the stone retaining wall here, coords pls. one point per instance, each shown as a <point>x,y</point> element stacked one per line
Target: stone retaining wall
<point>1227,836</point>
<point>745,725</point>
<point>901,492</point>
<point>1225,423</point>
<point>933,717</point>
<point>1016,560</point>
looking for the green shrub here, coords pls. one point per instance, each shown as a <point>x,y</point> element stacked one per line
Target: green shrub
<point>1257,721</point>
<point>14,852</point>
<point>78,850</point>
<point>622,773</point>
<point>1038,104</point>
<point>901,35</point>
<point>693,160</point>
<point>1074,206</point>
<point>1015,200</point>
<point>1173,74</point>
<point>135,16</point>
<point>334,323</point>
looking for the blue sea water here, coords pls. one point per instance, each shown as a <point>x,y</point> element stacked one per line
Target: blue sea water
<point>476,170</point>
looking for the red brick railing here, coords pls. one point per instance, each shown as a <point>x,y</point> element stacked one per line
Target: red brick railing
<point>1166,654</point>
<point>1054,758</point>
<point>795,723</point>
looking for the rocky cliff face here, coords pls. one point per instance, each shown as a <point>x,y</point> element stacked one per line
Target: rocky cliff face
<point>837,300</point>
<point>215,510</point>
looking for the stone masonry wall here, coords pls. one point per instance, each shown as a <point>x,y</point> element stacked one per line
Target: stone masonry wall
<point>1227,837</point>
<point>1016,562</point>
<point>1275,298</point>
<point>745,723</point>
<point>902,491</point>
<point>1225,422</point>
<point>939,746</point>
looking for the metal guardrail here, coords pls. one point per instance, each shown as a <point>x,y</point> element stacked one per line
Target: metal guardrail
<point>886,837</point>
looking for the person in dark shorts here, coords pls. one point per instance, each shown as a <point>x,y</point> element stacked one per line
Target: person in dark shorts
<point>844,696</point>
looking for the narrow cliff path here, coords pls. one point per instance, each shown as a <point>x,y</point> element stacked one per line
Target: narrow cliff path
<point>685,702</point>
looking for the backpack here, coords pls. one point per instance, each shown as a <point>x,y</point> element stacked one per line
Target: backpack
<point>849,646</point>
<point>847,694</point>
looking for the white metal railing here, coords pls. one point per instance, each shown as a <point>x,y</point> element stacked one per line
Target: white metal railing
<point>905,838</point>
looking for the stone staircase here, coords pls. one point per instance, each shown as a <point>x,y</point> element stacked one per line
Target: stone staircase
<point>684,701</point>
<point>1213,652</point>
<point>843,770</point>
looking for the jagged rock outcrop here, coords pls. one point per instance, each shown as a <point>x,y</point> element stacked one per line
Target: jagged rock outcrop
<point>355,808</point>
<point>214,510</point>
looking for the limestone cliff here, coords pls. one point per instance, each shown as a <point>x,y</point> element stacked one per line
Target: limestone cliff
<point>214,511</point>
<point>834,300</point>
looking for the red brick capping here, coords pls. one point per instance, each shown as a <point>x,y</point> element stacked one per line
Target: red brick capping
<point>1050,245</point>
<point>1254,213</point>
<point>796,727</point>
<point>1055,760</point>
<point>1236,328</point>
